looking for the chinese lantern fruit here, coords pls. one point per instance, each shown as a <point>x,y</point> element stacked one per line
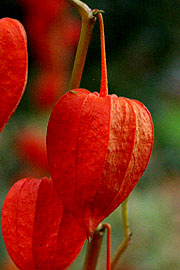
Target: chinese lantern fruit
<point>13,67</point>
<point>38,232</point>
<point>98,146</point>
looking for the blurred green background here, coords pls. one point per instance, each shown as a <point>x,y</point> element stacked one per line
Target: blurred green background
<point>143,57</point>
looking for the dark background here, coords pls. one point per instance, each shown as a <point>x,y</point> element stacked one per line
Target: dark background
<point>143,58</point>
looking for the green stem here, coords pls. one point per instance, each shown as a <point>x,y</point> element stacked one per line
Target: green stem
<point>127,236</point>
<point>88,20</point>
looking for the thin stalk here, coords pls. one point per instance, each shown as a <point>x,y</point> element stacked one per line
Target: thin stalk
<point>93,249</point>
<point>108,257</point>
<point>104,80</point>
<point>88,19</point>
<point>127,236</point>
<point>125,218</point>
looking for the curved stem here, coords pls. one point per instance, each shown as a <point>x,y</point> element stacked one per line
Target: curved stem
<point>88,20</point>
<point>127,236</point>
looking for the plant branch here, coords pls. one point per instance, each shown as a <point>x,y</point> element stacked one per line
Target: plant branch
<point>88,19</point>
<point>93,249</point>
<point>127,236</point>
<point>108,257</point>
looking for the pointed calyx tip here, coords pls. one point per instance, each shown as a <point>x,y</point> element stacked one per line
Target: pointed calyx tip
<point>104,80</point>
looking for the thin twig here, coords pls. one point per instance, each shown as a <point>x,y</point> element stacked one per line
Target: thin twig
<point>108,257</point>
<point>88,19</point>
<point>127,236</point>
<point>93,249</point>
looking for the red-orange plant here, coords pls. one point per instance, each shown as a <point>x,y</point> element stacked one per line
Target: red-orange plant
<point>38,232</point>
<point>98,147</point>
<point>13,67</point>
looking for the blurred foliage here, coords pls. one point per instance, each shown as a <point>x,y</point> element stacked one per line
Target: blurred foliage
<point>143,56</point>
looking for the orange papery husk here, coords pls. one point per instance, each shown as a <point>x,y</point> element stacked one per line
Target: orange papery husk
<point>38,232</point>
<point>98,148</point>
<point>13,67</point>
